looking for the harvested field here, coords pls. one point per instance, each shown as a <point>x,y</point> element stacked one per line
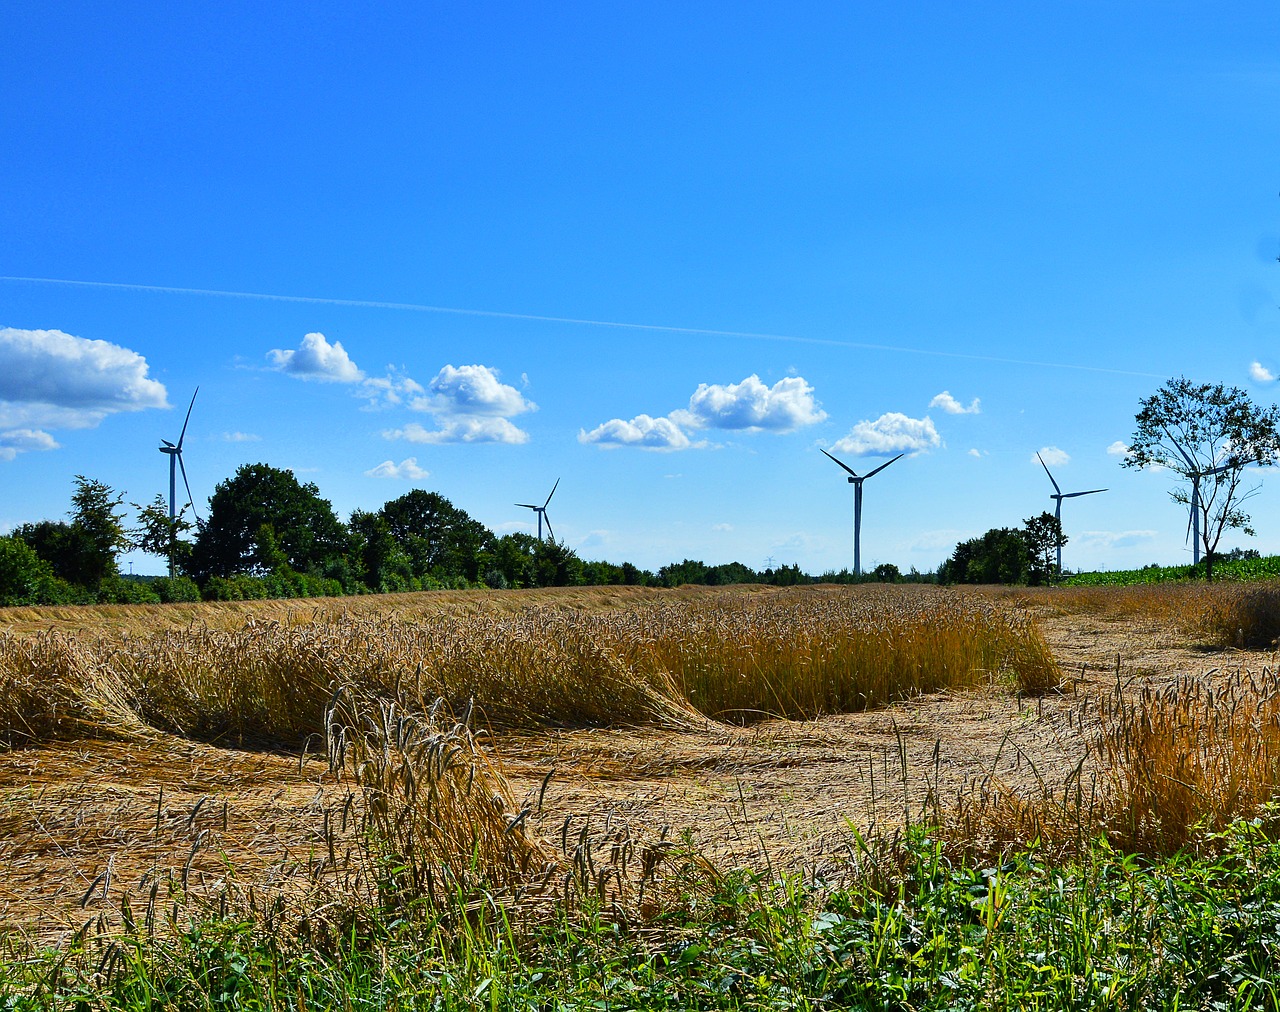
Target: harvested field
<point>154,747</point>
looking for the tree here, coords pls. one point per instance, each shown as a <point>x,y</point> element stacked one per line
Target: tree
<point>83,551</point>
<point>1207,434</point>
<point>302,527</point>
<point>1043,535</point>
<point>999,556</point>
<point>381,564</point>
<point>22,573</point>
<point>159,534</point>
<point>441,540</point>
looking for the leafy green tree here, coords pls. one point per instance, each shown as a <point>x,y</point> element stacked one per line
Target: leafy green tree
<point>22,573</point>
<point>514,558</point>
<point>556,565</point>
<point>999,556</point>
<point>441,540</point>
<point>159,534</point>
<point>1206,434</point>
<point>82,552</point>
<point>381,564</point>
<point>304,532</point>
<point>887,572</point>
<point>1043,535</point>
<point>676,574</point>
<point>98,510</point>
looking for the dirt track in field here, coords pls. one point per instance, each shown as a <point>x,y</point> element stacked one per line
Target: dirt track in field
<point>83,824</point>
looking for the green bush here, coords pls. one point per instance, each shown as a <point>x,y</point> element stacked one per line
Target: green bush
<point>173,589</point>
<point>118,590</point>
<point>22,573</point>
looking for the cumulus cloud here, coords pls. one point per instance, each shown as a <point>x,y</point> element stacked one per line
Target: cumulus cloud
<point>17,441</point>
<point>406,470</point>
<point>752,406</point>
<point>316,359</point>
<point>975,453</point>
<point>462,430</point>
<point>240,437</point>
<point>749,406</point>
<point>642,431</point>
<point>49,379</point>
<point>472,390</point>
<point>391,390</point>
<point>892,432</point>
<point>1052,456</point>
<point>1259,373</point>
<point>952,406</point>
<point>1119,449</point>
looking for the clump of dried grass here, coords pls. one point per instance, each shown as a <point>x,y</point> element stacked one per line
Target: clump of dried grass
<point>1161,769</point>
<point>435,815</point>
<point>671,661</point>
<point>803,654</point>
<point>54,688</point>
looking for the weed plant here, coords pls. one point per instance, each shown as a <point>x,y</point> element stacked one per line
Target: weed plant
<point>1106,931</point>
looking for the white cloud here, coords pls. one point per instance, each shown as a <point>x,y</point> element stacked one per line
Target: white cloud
<point>1119,449</point>
<point>472,390</point>
<point>975,453</point>
<point>750,405</point>
<point>390,390</point>
<point>316,359</point>
<point>1115,539</point>
<point>643,431</point>
<point>722,528</point>
<point>462,430</point>
<point>406,470</point>
<point>241,437</point>
<point>1052,456</point>
<point>892,432</point>
<point>17,441</point>
<point>49,379</point>
<point>1259,373</point>
<point>952,406</point>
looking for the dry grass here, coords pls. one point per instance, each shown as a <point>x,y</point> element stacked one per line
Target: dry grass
<point>1162,768</point>
<point>670,660</point>
<point>1210,614</point>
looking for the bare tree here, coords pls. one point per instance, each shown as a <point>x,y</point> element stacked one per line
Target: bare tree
<point>1207,434</point>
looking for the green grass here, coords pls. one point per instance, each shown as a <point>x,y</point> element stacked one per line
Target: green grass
<point>1237,570</point>
<point>918,929</point>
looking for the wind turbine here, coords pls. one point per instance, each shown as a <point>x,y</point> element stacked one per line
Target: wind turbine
<point>174,450</point>
<point>856,482</point>
<point>542,512</point>
<point>1057,497</point>
<point>1195,474</point>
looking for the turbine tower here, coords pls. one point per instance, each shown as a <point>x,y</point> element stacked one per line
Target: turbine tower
<point>1195,474</point>
<point>856,482</point>
<point>1057,497</point>
<point>542,512</point>
<point>174,450</point>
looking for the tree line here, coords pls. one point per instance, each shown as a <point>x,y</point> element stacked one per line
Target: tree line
<point>269,535</point>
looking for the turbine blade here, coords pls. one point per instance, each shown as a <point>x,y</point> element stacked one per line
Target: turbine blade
<point>1178,446</point>
<point>168,444</point>
<point>1046,471</point>
<point>553,492</point>
<point>1218,470</point>
<point>1072,495</point>
<point>187,419</point>
<point>883,466</point>
<point>528,506</point>
<point>190,498</point>
<point>841,463</point>
<point>549,530</point>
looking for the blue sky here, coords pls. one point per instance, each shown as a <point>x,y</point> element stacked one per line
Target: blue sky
<point>968,234</point>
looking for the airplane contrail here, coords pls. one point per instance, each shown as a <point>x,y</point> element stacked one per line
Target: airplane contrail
<point>576,321</point>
